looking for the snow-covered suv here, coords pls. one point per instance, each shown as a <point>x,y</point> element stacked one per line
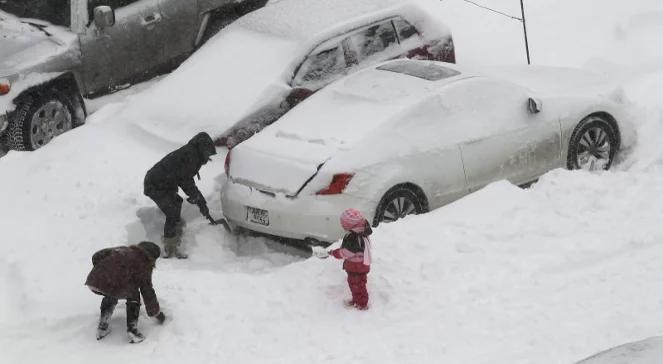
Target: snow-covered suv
<point>54,52</point>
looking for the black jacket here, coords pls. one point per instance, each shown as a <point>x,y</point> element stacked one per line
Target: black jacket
<point>178,168</point>
<point>354,242</point>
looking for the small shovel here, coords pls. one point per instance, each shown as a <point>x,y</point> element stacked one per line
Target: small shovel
<point>220,221</point>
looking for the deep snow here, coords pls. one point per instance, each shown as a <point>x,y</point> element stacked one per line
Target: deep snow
<point>551,274</point>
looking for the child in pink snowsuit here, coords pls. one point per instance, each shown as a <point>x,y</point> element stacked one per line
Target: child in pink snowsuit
<point>356,252</point>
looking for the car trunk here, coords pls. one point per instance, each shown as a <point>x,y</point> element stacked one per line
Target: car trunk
<point>286,169</point>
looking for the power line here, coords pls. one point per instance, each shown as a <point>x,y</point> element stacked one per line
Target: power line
<point>522,20</point>
<point>493,10</point>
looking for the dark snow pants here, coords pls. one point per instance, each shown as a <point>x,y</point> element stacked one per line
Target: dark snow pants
<point>108,306</point>
<point>357,284</point>
<point>171,205</point>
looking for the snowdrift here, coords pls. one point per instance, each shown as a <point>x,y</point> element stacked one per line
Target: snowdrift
<point>552,274</point>
<point>647,351</point>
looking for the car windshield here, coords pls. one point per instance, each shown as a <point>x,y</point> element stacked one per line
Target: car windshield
<point>425,70</point>
<point>55,12</point>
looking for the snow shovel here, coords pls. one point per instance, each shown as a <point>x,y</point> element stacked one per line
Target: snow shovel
<point>220,221</point>
<point>204,210</point>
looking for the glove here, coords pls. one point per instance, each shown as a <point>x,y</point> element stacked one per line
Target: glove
<point>319,252</point>
<point>160,318</point>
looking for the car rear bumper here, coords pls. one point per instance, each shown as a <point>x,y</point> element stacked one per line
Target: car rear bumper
<point>302,218</point>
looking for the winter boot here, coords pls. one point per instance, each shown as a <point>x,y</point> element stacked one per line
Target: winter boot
<point>179,253</point>
<point>169,246</point>
<point>179,227</point>
<point>107,307</point>
<point>135,336</point>
<point>172,247</point>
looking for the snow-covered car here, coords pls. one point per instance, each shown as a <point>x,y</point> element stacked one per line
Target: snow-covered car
<point>335,40</point>
<point>648,351</point>
<point>269,60</point>
<point>54,52</point>
<point>409,136</point>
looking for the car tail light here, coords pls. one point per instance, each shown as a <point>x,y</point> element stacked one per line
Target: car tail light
<point>226,164</point>
<point>337,185</point>
<point>419,53</point>
<point>449,54</point>
<point>5,86</point>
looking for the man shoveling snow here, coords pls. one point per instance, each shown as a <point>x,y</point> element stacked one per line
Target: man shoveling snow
<point>176,170</point>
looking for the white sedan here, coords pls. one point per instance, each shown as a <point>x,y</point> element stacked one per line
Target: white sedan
<point>409,136</point>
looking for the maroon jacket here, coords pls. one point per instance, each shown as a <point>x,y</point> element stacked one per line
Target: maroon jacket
<point>124,272</point>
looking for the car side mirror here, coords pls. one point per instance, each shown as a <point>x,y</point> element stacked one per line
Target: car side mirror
<point>104,17</point>
<point>534,105</point>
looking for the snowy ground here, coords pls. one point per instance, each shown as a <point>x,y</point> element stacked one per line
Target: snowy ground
<point>551,274</point>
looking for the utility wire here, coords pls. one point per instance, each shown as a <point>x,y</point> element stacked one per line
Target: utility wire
<point>494,11</point>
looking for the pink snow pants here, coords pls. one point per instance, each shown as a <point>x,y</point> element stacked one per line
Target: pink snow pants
<point>357,284</point>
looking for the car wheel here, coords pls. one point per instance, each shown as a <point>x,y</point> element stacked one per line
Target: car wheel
<point>593,145</point>
<point>38,119</point>
<point>397,203</point>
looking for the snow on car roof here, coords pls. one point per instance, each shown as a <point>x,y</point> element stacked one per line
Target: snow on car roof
<point>360,102</point>
<point>323,17</point>
<point>399,80</point>
<point>425,70</point>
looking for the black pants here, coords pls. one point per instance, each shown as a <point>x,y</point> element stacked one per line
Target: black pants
<point>108,306</point>
<point>171,205</point>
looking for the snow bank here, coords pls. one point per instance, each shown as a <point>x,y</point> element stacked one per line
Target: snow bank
<point>648,351</point>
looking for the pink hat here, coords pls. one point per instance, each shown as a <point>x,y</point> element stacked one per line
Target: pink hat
<point>353,220</point>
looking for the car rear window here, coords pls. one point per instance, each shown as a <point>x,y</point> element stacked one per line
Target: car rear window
<point>425,70</point>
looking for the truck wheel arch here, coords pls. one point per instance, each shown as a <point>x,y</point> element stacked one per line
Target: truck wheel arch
<point>33,99</point>
<point>65,83</point>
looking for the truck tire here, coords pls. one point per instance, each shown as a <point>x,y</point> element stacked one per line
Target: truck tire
<point>39,117</point>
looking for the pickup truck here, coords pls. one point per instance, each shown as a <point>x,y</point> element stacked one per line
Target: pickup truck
<point>55,52</point>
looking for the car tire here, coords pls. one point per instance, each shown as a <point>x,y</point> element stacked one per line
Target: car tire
<point>593,144</point>
<point>397,203</point>
<point>38,119</point>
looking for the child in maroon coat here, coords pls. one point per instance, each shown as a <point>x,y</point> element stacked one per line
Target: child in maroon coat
<point>356,252</point>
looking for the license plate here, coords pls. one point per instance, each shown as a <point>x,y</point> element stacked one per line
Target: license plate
<point>257,216</point>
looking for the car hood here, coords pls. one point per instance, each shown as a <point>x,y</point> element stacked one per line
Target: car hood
<point>23,46</point>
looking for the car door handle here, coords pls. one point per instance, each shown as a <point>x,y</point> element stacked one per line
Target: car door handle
<point>151,19</point>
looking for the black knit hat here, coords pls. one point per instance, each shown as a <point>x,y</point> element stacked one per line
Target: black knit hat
<point>152,249</point>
